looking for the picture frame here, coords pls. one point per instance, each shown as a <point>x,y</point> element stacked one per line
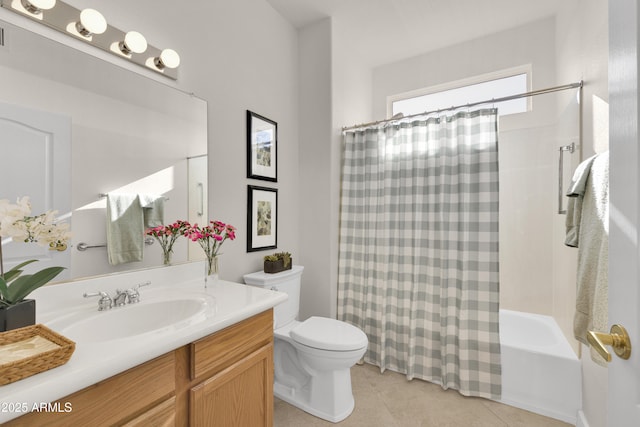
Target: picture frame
<point>262,148</point>
<point>262,218</point>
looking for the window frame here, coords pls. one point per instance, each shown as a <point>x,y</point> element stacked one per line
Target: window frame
<point>494,75</point>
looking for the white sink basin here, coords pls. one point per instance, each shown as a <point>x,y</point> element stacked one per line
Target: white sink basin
<point>132,320</point>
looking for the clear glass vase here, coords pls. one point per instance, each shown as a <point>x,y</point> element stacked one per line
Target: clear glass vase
<point>211,270</point>
<point>166,255</point>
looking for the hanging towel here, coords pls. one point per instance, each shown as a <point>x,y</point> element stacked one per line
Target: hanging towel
<point>153,210</point>
<point>593,255</point>
<point>125,228</point>
<point>574,206</point>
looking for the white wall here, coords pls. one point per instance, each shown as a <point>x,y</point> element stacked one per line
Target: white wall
<point>315,174</point>
<point>236,55</point>
<point>335,90</point>
<point>528,44</point>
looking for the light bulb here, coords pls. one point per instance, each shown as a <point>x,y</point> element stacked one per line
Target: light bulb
<point>133,42</point>
<point>37,6</point>
<point>91,22</point>
<point>168,58</point>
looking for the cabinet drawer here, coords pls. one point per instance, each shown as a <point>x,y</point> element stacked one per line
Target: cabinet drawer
<point>216,352</point>
<point>162,415</point>
<point>112,400</point>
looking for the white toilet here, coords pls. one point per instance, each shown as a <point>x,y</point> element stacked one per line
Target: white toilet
<point>312,358</point>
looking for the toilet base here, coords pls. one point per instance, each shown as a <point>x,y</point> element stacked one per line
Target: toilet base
<point>316,381</point>
<point>300,399</point>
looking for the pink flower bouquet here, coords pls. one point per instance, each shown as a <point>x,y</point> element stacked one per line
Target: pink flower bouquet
<point>167,235</point>
<point>211,238</point>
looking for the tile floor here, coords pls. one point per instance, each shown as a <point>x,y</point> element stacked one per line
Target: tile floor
<point>389,400</point>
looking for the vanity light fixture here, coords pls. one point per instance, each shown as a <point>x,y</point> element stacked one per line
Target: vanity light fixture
<point>133,42</point>
<point>168,58</point>
<point>90,26</point>
<point>91,22</point>
<point>37,6</point>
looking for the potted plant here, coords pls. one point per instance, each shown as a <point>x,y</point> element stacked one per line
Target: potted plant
<point>275,263</point>
<point>17,223</point>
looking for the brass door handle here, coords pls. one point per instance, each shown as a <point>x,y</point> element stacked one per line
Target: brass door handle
<point>618,339</point>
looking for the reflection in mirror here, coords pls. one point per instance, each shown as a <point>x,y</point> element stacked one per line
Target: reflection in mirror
<point>125,133</point>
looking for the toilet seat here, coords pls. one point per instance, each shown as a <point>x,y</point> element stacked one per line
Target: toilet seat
<point>329,334</point>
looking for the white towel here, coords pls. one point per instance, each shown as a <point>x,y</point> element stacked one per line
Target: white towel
<point>574,206</point>
<point>593,254</point>
<point>153,209</point>
<point>125,228</point>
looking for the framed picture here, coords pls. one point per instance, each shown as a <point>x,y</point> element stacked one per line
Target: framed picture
<point>262,147</point>
<point>262,218</point>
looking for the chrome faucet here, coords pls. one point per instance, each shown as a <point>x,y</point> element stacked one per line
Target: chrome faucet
<point>121,298</point>
<point>133,294</point>
<point>129,296</point>
<point>105,302</point>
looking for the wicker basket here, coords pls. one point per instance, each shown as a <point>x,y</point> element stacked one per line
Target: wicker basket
<point>56,351</point>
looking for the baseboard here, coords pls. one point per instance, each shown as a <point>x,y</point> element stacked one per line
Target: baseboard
<point>582,420</point>
<point>547,412</point>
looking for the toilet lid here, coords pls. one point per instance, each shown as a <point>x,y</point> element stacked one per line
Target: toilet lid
<point>329,334</point>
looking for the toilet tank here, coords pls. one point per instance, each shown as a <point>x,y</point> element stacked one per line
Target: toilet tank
<point>287,281</point>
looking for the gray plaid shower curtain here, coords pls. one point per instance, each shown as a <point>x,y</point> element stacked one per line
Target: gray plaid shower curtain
<point>418,263</point>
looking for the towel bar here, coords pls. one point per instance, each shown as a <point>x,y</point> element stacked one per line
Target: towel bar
<point>104,195</point>
<point>84,246</point>
<point>570,148</point>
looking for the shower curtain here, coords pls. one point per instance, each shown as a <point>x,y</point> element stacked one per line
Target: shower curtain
<point>418,263</point>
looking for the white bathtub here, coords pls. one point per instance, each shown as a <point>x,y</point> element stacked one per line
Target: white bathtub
<point>540,371</point>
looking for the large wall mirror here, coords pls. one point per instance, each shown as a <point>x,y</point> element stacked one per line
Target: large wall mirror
<point>125,133</point>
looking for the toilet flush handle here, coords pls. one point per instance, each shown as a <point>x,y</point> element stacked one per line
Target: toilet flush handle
<point>273,288</point>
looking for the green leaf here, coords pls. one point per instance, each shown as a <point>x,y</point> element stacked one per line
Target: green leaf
<point>19,266</point>
<point>28,283</point>
<point>4,290</point>
<point>16,271</point>
<point>11,275</point>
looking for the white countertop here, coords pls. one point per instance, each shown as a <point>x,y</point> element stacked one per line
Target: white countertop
<point>227,303</point>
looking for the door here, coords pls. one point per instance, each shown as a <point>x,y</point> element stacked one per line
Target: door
<point>623,408</point>
<point>35,149</point>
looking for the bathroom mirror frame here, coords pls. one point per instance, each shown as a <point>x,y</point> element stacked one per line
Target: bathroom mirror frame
<point>129,133</point>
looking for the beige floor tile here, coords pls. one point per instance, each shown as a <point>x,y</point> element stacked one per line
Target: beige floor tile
<point>389,400</point>
<point>521,418</point>
<point>427,406</point>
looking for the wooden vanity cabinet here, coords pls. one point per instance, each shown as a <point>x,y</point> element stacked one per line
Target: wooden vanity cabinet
<point>224,379</point>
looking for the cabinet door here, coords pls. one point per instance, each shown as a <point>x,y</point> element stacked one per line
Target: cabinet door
<point>239,396</point>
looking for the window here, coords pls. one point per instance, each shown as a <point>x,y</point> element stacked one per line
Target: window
<point>430,100</point>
